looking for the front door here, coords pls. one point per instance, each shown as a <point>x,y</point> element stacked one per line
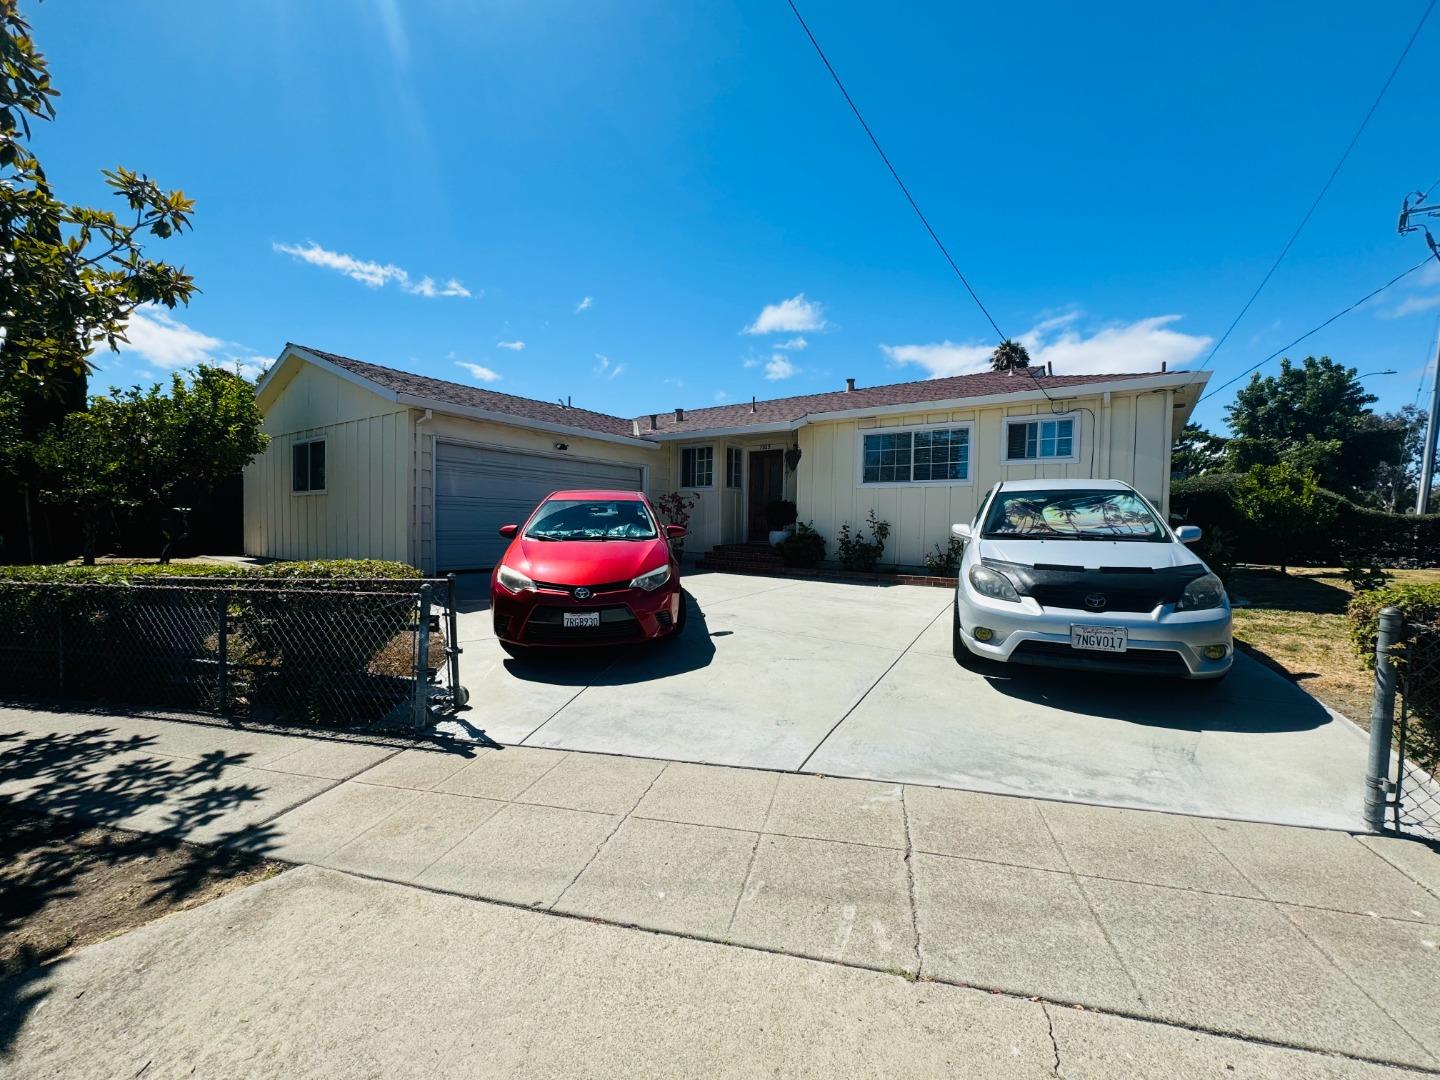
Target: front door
<point>766,484</point>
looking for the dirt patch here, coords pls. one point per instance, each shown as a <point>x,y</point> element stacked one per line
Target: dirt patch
<point>64,885</point>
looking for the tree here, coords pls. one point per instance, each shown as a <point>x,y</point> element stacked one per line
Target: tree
<point>1196,451</point>
<point>70,276</point>
<point>1009,355</point>
<point>83,462</point>
<point>1283,503</point>
<point>1397,468</point>
<point>1319,402</point>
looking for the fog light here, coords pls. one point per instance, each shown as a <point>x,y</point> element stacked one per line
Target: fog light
<point>1215,652</point>
<point>982,633</point>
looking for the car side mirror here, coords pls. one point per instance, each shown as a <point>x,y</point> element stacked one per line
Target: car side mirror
<point>509,531</point>
<point>676,532</point>
<point>960,530</point>
<point>1188,534</point>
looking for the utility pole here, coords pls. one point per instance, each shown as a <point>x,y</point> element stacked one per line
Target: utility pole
<point>1408,211</point>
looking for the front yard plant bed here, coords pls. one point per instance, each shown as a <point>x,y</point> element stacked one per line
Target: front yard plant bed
<point>317,643</point>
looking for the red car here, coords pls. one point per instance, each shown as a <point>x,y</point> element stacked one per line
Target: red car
<point>588,568</point>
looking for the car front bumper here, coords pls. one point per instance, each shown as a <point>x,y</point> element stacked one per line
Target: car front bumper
<point>1159,642</point>
<point>536,617</point>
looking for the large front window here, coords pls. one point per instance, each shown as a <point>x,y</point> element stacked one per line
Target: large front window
<point>1072,515</point>
<point>697,467</point>
<point>592,519</point>
<point>917,456</point>
<point>1040,440</point>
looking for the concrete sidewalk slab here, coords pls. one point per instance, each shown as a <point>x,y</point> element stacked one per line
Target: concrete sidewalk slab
<point>310,832</point>
<point>420,768</point>
<point>709,795</point>
<point>500,774</point>
<point>599,783</point>
<point>968,825</point>
<point>824,808</point>
<point>407,842</point>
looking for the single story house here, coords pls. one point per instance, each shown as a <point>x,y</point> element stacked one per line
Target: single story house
<point>368,461</point>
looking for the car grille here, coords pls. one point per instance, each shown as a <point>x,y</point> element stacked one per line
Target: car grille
<point>1158,661</point>
<point>1122,598</point>
<point>604,587</point>
<point>546,626</point>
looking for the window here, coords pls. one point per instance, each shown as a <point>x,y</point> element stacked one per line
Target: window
<point>1040,440</point>
<point>917,456</point>
<point>697,467</point>
<point>307,466</point>
<point>734,466</point>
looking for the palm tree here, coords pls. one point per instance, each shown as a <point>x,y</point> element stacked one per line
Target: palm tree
<point>1009,355</point>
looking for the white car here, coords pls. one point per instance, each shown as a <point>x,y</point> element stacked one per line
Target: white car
<point>1085,573</point>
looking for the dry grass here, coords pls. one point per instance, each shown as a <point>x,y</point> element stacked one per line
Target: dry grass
<point>1296,622</point>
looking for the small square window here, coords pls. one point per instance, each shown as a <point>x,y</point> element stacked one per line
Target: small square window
<point>1040,440</point>
<point>697,467</point>
<point>734,466</point>
<point>307,466</point>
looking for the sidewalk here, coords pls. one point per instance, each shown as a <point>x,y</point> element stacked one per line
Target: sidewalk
<point>796,923</point>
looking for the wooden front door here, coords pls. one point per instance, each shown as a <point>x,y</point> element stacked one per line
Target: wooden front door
<point>766,484</point>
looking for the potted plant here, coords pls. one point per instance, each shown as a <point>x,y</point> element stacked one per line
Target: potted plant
<point>780,515</point>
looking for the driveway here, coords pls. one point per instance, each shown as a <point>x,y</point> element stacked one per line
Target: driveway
<point>858,680</point>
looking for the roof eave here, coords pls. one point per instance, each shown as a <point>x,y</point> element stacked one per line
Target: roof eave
<point>450,408</point>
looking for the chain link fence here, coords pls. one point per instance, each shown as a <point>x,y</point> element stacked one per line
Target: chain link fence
<point>319,652</point>
<point>1403,787</point>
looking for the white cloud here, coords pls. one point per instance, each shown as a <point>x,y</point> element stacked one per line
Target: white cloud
<point>368,273</point>
<point>789,316</point>
<point>480,372</point>
<point>750,362</point>
<point>795,344</point>
<point>606,368</point>
<point>584,305</point>
<point>721,397</point>
<point>679,384</point>
<point>780,367</point>
<point>159,339</point>
<point>1142,345</point>
<point>513,346</point>
<point>616,370</point>
<point>1411,304</point>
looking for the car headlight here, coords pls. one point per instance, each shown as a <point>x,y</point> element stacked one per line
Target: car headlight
<point>1202,594</point>
<point>993,584</point>
<point>653,580</point>
<point>513,579</point>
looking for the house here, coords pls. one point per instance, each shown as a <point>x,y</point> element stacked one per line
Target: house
<point>368,461</point>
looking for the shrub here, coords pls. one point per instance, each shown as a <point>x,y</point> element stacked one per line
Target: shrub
<point>780,514</point>
<point>1363,577</point>
<point>1418,602</point>
<point>675,507</point>
<point>1283,502</point>
<point>857,553</point>
<point>1418,658</point>
<point>945,563</point>
<point>119,573</point>
<point>804,548</point>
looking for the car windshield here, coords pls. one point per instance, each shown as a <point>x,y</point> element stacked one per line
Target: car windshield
<point>592,519</point>
<point>1072,515</point>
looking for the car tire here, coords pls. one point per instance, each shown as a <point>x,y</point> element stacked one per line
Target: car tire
<point>679,627</point>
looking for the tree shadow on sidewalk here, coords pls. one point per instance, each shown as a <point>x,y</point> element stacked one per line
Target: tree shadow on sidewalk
<point>70,875</point>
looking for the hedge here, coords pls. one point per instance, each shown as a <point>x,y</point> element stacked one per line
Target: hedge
<point>1418,658</point>
<point>1357,533</point>
<point>118,573</point>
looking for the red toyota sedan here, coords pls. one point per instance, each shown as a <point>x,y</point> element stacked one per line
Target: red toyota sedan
<point>588,568</point>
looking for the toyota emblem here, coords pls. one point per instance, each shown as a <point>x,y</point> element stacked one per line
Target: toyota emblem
<point>1096,601</point>
<point>583,593</point>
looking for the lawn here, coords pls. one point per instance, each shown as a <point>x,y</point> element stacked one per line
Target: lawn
<point>1296,622</point>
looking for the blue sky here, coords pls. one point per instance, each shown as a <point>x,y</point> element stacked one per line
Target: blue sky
<point>670,204</point>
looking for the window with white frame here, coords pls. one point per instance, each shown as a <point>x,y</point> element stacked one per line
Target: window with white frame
<point>697,467</point>
<point>307,467</point>
<point>1040,439</point>
<point>734,466</point>
<point>937,455</point>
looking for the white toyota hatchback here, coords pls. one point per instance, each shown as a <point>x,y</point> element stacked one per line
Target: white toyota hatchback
<point>1084,573</point>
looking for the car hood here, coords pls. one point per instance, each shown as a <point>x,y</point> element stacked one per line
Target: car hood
<point>1089,554</point>
<point>586,562</point>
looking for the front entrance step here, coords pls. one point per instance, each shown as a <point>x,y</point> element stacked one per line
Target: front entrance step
<point>742,559</point>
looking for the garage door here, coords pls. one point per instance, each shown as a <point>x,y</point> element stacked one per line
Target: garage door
<point>477,490</point>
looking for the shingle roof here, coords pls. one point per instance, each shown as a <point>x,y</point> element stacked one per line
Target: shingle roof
<point>771,412</point>
<point>422,386</point>
<point>785,410</point>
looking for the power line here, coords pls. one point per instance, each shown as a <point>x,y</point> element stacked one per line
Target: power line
<point>885,158</point>
<point>1324,189</point>
<point>1317,329</point>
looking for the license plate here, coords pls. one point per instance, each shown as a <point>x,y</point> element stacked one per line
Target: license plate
<point>581,619</point>
<point>1099,638</point>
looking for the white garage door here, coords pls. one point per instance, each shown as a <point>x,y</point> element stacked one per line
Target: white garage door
<point>478,489</point>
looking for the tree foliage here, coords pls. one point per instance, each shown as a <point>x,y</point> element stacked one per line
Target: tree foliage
<point>1283,502</point>
<point>1009,355</point>
<point>1196,452</point>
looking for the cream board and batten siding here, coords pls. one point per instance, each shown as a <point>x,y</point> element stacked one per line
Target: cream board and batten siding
<point>920,515</point>
<point>722,515</point>
<point>462,430</point>
<point>365,511</point>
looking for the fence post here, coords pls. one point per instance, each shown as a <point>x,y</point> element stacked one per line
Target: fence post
<point>1382,720</point>
<point>458,694</point>
<point>223,650</point>
<point>422,661</point>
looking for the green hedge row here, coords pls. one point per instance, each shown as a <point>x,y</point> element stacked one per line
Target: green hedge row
<point>1418,658</point>
<point>116,573</point>
<point>1356,532</point>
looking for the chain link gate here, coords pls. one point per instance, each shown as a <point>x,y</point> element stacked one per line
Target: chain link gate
<point>1403,785</point>
<point>321,652</point>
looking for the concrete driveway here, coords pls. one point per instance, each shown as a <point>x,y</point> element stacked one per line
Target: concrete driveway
<point>858,680</point>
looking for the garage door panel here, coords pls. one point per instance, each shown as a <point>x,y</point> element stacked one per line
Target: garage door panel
<point>478,489</point>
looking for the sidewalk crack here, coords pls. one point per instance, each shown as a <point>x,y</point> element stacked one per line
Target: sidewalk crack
<point>1054,1043</point>
<point>620,820</point>
<point>754,851</point>
<point>910,882</point>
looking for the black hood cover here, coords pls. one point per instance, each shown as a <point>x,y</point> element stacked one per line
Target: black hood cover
<point>1113,588</point>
